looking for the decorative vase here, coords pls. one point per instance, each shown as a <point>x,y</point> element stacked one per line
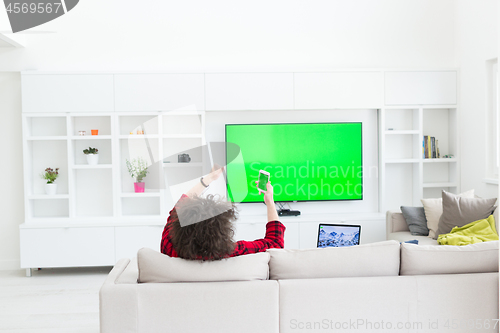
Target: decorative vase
<point>92,159</point>
<point>139,187</point>
<point>94,132</point>
<point>51,189</point>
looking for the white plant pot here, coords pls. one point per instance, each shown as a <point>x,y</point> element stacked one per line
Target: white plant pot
<point>92,159</point>
<point>51,189</point>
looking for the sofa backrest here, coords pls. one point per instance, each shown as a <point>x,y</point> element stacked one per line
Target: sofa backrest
<point>449,259</point>
<point>375,259</point>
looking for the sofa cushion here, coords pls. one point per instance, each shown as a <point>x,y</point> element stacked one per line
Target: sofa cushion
<point>449,259</point>
<point>157,268</point>
<point>415,218</point>
<point>404,236</point>
<point>434,209</point>
<point>375,259</point>
<point>458,211</point>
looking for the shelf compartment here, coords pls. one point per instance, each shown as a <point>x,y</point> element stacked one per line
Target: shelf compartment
<point>183,165</point>
<point>48,197</point>
<point>402,119</point>
<point>47,154</point>
<point>401,160</point>
<point>442,124</point>
<point>403,147</point>
<point>147,149</point>
<point>172,148</point>
<point>174,125</point>
<point>104,147</point>
<point>98,166</point>
<point>46,126</point>
<point>413,132</point>
<point>436,192</point>
<point>91,137</point>
<point>88,123</point>
<point>437,185</point>
<point>93,192</point>
<point>139,136</point>
<point>140,206</point>
<point>146,193</point>
<point>439,160</point>
<point>56,208</point>
<point>440,173</point>
<point>148,124</point>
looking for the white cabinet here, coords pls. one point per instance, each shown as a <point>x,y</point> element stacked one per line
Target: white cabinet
<point>249,91</point>
<point>67,247</point>
<point>128,240</point>
<point>67,93</point>
<point>338,90</point>
<point>159,92</point>
<point>419,88</point>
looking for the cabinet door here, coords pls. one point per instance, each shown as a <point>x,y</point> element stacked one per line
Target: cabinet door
<point>159,92</point>
<point>338,90</point>
<point>249,91</point>
<point>130,239</point>
<point>417,88</point>
<point>67,247</point>
<point>67,93</point>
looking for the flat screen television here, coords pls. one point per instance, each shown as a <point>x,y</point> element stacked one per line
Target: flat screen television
<point>306,161</point>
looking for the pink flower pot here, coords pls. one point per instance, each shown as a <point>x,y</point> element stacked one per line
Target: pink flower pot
<point>139,187</point>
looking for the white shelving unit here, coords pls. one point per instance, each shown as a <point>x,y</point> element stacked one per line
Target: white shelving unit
<point>102,196</point>
<point>402,164</point>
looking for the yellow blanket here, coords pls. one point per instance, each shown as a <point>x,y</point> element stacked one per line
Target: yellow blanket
<point>474,232</point>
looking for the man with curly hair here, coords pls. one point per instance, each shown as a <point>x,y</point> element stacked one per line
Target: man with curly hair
<point>202,228</point>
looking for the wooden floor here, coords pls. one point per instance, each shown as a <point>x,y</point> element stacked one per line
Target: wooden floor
<point>52,300</point>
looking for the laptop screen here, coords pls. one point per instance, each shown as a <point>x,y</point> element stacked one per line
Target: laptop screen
<point>337,235</point>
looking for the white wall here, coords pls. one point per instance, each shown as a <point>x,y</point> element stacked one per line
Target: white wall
<point>216,35</point>
<point>11,169</point>
<point>477,41</point>
<point>225,35</point>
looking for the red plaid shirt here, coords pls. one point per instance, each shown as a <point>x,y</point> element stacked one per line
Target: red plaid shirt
<point>275,232</point>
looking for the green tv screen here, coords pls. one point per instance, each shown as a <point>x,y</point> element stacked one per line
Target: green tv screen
<point>306,162</point>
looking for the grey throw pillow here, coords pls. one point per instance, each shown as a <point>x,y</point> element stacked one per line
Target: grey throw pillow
<point>415,218</point>
<point>459,211</point>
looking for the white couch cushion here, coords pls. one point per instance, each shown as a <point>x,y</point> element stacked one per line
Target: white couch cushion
<point>157,267</point>
<point>449,259</point>
<point>375,259</point>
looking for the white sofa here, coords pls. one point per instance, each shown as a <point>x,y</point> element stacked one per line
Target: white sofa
<point>397,228</point>
<point>412,288</point>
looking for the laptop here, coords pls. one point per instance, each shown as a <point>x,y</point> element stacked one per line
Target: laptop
<point>338,235</point>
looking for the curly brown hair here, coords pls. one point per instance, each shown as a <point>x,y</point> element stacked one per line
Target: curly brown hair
<point>202,228</point>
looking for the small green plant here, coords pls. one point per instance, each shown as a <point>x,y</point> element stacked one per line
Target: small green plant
<point>91,151</point>
<point>50,175</point>
<point>138,169</point>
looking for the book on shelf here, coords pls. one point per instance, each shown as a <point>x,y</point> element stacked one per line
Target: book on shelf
<point>430,148</point>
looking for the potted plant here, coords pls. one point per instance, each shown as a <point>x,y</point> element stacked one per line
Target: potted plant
<point>50,176</point>
<point>138,169</point>
<point>92,155</point>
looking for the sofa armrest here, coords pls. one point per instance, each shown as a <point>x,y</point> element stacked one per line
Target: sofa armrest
<point>118,302</point>
<point>395,222</point>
